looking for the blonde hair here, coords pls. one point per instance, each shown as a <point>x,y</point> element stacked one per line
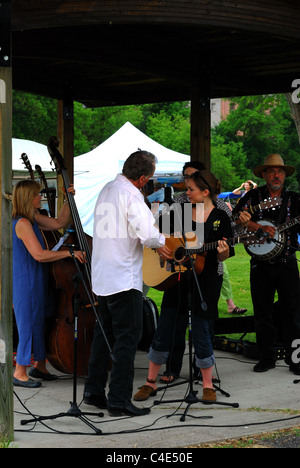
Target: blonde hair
<point>23,194</point>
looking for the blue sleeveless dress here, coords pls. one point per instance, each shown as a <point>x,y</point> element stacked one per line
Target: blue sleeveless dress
<point>30,286</point>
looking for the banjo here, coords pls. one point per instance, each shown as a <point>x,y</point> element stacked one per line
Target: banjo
<point>271,247</point>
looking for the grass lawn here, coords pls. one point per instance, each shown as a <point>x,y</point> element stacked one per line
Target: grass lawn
<point>239,272</point>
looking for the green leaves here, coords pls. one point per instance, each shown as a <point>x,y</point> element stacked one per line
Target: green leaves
<point>255,127</point>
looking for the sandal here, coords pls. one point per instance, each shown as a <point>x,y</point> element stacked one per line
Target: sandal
<point>238,311</point>
<point>166,379</point>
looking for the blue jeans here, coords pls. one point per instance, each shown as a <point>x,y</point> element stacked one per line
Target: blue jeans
<point>121,316</point>
<point>172,328</point>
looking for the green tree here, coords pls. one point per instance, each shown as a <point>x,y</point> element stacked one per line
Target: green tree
<point>34,117</point>
<point>94,126</point>
<point>263,124</point>
<point>228,163</point>
<point>256,127</point>
<point>171,131</point>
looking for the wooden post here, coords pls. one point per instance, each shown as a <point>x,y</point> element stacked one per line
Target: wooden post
<point>65,135</point>
<point>294,103</point>
<point>200,128</point>
<point>6,334</point>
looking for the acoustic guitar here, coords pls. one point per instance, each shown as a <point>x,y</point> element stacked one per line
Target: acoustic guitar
<point>162,274</point>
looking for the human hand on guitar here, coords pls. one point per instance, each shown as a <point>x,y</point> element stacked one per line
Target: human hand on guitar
<point>70,190</point>
<point>268,229</point>
<point>265,228</point>
<point>164,252</point>
<point>244,218</point>
<point>223,250</point>
<point>80,256</point>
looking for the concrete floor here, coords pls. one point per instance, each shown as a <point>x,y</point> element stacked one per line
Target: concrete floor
<point>253,403</point>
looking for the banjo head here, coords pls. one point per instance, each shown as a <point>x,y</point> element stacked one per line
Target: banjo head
<point>266,250</point>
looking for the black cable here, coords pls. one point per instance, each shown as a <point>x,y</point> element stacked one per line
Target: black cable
<point>148,427</point>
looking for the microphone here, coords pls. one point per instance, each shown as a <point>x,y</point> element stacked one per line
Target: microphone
<point>262,234</point>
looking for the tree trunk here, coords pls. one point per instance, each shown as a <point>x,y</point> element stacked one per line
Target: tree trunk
<point>295,110</point>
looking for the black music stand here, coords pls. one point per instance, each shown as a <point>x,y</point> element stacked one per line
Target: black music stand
<point>192,398</point>
<point>74,410</point>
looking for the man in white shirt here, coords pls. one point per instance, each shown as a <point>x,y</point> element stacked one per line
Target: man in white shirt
<point>123,224</point>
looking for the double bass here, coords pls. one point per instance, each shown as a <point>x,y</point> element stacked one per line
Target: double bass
<point>68,287</point>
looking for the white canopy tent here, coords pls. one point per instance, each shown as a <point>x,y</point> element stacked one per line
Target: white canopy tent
<point>115,150</point>
<point>94,169</point>
<point>37,154</point>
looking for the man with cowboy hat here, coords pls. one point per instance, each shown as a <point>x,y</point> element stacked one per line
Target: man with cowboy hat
<point>277,271</point>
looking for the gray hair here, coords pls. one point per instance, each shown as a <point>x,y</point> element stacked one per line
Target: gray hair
<point>138,164</point>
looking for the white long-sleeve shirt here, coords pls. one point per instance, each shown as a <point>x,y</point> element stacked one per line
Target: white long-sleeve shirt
<point>123,224</point>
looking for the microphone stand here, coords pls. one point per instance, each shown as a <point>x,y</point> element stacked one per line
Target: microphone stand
<point>91,302</point>
<point>192,398</point>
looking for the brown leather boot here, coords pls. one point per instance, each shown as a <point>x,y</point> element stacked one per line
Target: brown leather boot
<point>209,394</point>
<point>145,392</point>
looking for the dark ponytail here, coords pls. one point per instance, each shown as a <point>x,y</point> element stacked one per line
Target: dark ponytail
<point>206,180</point>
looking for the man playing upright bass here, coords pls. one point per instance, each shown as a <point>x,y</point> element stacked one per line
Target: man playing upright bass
<point>277,270</point>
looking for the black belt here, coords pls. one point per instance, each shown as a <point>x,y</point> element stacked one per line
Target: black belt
<point>278,261</point>
<point>282,259</point>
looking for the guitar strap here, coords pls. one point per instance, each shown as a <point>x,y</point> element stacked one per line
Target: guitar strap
<point>210,226</point>
<point>281,215</point>
<point>283,207</point>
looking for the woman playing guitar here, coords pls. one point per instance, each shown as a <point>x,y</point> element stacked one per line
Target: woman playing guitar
<point>202,188</point>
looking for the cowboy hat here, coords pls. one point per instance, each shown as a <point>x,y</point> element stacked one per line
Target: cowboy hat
<point>273,160</point>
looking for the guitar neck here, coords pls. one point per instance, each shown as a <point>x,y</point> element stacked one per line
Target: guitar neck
<point>289,224</point>
<point>81,237</point>
<point>213,245</point>
<point>76,218</point>
<point>270,203</point>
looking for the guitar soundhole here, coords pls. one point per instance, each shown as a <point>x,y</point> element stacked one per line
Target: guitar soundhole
<point>179,254</point>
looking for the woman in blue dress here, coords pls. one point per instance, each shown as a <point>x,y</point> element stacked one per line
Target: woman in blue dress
<point>30,277</point>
